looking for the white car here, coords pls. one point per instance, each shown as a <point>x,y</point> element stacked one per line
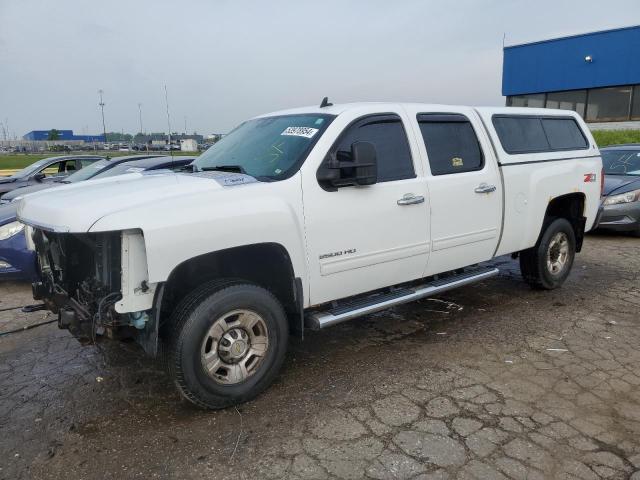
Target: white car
<point>307,218</point>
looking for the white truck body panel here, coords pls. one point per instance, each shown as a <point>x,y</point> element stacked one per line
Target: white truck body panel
<point>181,216</point>
<point>135,271</point>
<point>532,180</point>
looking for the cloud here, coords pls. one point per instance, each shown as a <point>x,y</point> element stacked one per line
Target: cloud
<point>224,61</point>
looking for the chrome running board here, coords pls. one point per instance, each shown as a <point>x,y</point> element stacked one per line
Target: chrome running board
<point>349,309</point>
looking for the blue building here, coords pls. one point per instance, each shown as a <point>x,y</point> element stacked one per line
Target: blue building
<point>62,136</point>
<point>595,74</point>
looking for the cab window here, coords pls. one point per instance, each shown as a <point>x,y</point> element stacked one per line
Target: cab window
<point>451,143</point>
<point>387,134</point>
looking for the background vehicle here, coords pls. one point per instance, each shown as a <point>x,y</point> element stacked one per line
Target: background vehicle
<point>46,170</point>
<point>307,218</point>
<point>17,261</point>
<point>95,169</point>
<point>144,164</point>
<point>621,210</point>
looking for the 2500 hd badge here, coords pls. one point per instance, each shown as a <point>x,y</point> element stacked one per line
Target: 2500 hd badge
<point>337,254</point>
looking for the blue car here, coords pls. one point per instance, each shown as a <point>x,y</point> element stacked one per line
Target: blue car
<point>17,261</point>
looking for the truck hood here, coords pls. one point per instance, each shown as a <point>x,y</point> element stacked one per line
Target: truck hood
<point>615,184</point>
<point>76,207</point>
<point>7,180</point>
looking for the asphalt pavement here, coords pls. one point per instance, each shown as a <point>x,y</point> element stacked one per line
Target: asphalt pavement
<point>491,381</point>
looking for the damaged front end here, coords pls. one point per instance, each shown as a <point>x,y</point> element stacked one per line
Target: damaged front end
<point>97,284</point>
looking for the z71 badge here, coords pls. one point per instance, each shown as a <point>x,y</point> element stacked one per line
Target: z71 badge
<point>589,177</point>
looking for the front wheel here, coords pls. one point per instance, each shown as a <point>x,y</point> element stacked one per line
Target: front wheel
<point>548,264</point>
<point>228,344</point>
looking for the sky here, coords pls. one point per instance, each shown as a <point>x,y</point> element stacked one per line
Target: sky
<point>224,61</point>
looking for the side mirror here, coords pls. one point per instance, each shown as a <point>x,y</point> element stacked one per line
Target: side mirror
<point>365,162</point>
<point>361,169</point>
<point>38,177</point>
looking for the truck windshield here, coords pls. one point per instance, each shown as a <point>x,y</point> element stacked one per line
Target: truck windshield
<point>270,148</point>
<point>621,162</point>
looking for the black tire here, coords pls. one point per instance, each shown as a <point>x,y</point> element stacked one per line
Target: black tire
<point>533,261</point>
<point>191,321</point>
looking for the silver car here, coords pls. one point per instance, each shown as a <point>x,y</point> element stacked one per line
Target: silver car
<point>621,202</point>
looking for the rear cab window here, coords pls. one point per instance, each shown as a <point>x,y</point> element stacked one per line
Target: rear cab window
<point>519,134</point>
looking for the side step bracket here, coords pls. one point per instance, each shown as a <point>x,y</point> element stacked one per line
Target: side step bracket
<point>349,309</point>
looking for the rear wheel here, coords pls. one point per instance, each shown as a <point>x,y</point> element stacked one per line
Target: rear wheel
<point>228,344</point>
<point>548,264</point>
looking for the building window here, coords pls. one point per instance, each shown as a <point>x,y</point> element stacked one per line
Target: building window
<point>609,104</point>
<point>635,104</point>
<point>535,100</point>
<point>575,100</point>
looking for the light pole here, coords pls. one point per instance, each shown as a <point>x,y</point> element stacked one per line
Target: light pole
<point>101,104</point>
<point>141,129</point>
<point>166,99</point>
<point>140,117</point>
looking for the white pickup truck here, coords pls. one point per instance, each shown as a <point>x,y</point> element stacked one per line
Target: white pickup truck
<point>305,218</point>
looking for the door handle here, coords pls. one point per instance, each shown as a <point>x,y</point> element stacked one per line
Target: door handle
<point>410,199</point>
<point>485,188</point>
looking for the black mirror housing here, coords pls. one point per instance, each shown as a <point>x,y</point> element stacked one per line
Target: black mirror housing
<point>361,169</point>
<point>365,162</point>
<point>38,177</point>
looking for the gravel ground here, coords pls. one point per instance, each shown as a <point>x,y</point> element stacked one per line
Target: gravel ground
<point>492,381</point>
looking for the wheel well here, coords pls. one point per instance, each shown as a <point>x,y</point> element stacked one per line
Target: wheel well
<point>266,264</point>
<point>571,207</point>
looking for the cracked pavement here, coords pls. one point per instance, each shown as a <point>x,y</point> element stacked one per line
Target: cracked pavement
<point>490,381</point>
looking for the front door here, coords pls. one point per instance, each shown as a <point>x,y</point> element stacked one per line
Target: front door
<point>361,238</point>
<point>465,188</point>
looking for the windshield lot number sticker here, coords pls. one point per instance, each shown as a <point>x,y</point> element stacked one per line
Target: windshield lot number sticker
<point>306,132</point>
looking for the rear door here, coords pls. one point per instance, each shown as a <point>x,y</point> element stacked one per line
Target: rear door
<point>464,185</point>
